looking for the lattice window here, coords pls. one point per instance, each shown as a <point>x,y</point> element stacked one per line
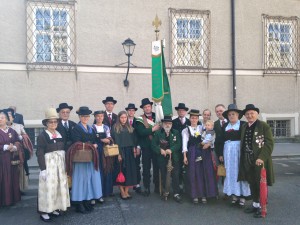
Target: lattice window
<point>280,128</point>
<point>190,40</point>
<point>33,134</point>
<point>51,34</point>
<point>281,45</point>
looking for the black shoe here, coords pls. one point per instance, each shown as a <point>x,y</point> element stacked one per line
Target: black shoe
<point>251,210</point>
<point>146,192</point>
<point>45,220</point>
<point>100,200</point>
<point>257,214</point>
<point>177,198</point>
<point>81,209</point>
<point>87,206</point>
<point>54,214</point>
<point>138,190</point>
<point>123,198</point>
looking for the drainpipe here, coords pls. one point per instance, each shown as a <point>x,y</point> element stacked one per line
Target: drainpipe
<point>233,51</point>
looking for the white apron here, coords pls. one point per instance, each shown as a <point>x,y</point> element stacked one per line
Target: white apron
<point>53,193</point>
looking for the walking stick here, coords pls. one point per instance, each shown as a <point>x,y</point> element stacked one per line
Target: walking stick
<point>168,177</point>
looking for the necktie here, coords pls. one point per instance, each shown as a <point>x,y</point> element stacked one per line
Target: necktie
<point>181,119</point>
<point>109,118</point>
<point>223,122</point>
<point>66,125</point>
<point>130,121</point>
<point>150,117</point>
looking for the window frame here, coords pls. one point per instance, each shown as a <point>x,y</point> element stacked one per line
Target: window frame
<point>281,64</point>
<point>181,58</point>
<point>188,40</point>
<point>52,34</point>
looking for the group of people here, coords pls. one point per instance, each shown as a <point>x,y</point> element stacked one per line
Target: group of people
<point>183,153</point>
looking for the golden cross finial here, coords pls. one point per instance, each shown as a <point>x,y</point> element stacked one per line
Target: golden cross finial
<point>156,23</point>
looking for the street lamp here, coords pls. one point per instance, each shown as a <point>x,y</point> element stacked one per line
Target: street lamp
<point>128,46</point>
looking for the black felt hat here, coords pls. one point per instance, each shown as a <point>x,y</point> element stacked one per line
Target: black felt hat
<point>99,112</point>
<point>63,106</point>
<point>250,107</point>
<point>12,111</point>
<point>194,112</point>
<point>145,101</point>
<point>83,111</point>
<point>181,106</point>
<point>232,107</point>
<point>109,99</point>
<point>167,119</point>
<point>131,106</point>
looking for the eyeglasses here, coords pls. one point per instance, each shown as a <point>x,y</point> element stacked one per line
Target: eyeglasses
<point>52,122</point>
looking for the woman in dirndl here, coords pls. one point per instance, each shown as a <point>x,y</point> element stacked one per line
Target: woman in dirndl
<point>231,154</point>
<point>53,192</point>
<point>26,146</point>
<point>86,179</point>
<point>125,137</point>
<point>105,163</point>
<point>9,171</point>
<point>200,174</point>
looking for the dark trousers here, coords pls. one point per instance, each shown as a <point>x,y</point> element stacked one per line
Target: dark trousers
<point>147,157</point>
<point>174,175</point>
<point>138,167</point>
<point>254,181</point>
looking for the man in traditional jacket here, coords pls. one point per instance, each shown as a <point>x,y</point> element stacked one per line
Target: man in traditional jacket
<point>131,109</point>
<point>219,109</point>
<point>110,118</point>
<point>166,143</point>
<point>65,126</point>
<point>256,149</point>
<point>180,123</point>
<point>218,124</point>
<point>145,127</point>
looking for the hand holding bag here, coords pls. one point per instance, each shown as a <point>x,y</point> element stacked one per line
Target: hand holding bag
<point>83,155</point>
<point>221,170</point>
<point>120,177</point>
<point>111,150</point>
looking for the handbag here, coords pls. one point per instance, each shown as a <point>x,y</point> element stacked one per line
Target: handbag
<point>83,155</point>
<point>120,177</point>
<point>221,172</point>
<point>111,150</point>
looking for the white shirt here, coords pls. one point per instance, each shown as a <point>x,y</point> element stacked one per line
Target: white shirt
<point>58,135</point>
<point>65,121</point>
<point>101,129</point>
<point>185,136</point>
<point>225,120</point>
<point>182,119</point>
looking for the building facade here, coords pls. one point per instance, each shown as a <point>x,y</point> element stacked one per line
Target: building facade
<point>69,51</point>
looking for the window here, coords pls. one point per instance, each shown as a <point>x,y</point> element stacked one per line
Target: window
<point>33,133</point>
<point>280,128</point>
<point>50,34</point>
<point>281,44</point>
<point>189,40</point>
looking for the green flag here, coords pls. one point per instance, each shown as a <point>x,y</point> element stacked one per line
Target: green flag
<point>161,91</point>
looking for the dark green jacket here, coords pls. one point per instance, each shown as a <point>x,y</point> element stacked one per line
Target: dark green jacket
<point>174,140</point>
<point>144,134</point>
<point>262,152</point>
